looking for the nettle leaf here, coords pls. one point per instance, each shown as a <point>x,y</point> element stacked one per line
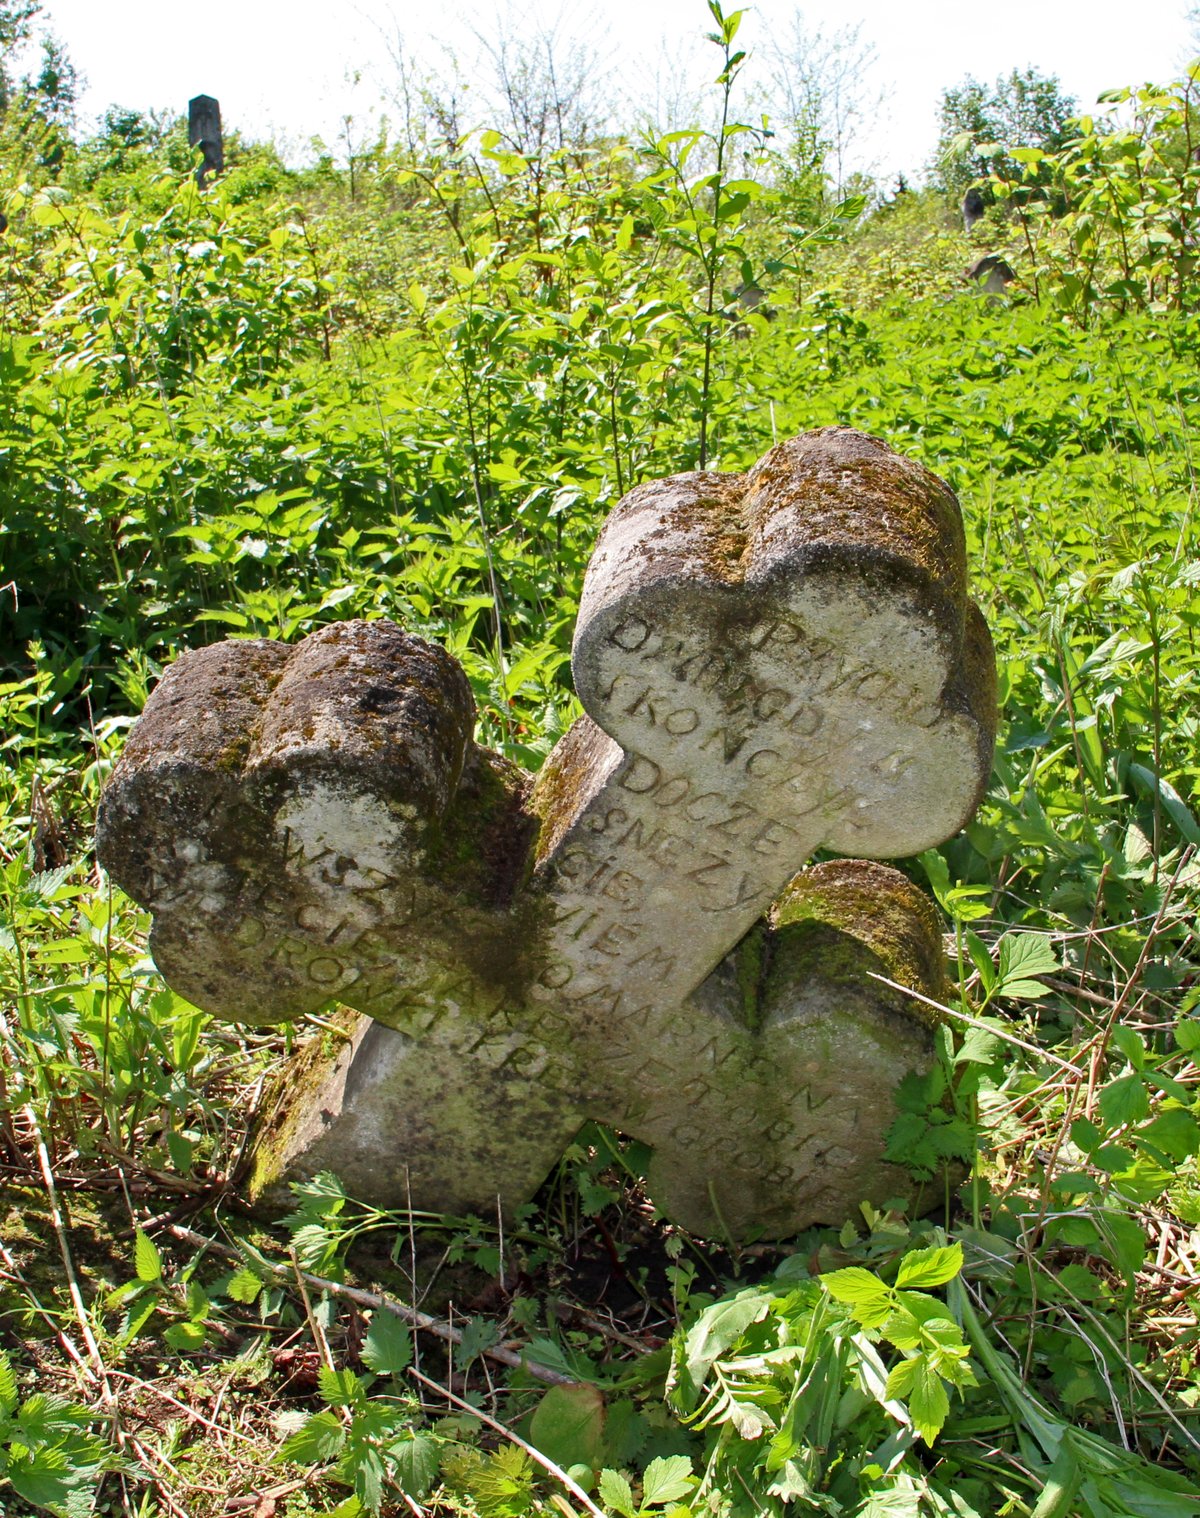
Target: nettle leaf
<point>322,1437</point>
<point>243,1286</point>
<point>185,1337</point>
<point>363,1467</point>
<point>136,1319</point>
<point>388,1348</point>
<point>42,1418</point>
<point>416,1459</point>
<point>478,1334</point>
<point>1124,1101</point>
<point>922,1268</point>
<point>666,1479</point>
<point>146,1257</point>
<point>43,1477</point>
<point>339,1388</point>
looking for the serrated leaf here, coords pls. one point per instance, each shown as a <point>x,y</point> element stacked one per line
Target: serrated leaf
<point>415,1462</point>
<point>388,1347</point>
<point>625,1432</point>
<point>856,1287</point>
<point>1130,1044</point>
<point>1023,956</point>
<point>928,1402</point>
<point>136,1320</point>
<point>339,1388</point>
<point>363,1467</point>
<point>321,1438</point>
<point>901,1379</point>
<point>42,1418</point>
<point>1187,1033</point>
<point>8,1385</point>
<point>185,1336</point>
<point>146,1257</point>
<point>981,959</point>
<point>243,1286</point>
<point>668,1478</point>
<point>42,1478</point>
<point>1174,1131</point>
<point>616,1493</point>
<point>922,1268</point>
<point>1123,1101</point>
<point>981,1046</point>
<point>1023,990</point>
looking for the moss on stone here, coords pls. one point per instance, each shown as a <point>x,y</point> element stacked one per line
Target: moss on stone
<point>876,906</point>
<point>287,1102</point>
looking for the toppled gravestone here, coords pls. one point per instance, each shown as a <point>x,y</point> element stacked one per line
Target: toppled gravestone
<point>771,664</point>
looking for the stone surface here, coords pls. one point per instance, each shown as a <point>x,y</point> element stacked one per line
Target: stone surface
<point>992,274</point>
<point>204,132</point>
<point>772,663</point>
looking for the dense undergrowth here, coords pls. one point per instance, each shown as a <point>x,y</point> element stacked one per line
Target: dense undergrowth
<point>285,400</point>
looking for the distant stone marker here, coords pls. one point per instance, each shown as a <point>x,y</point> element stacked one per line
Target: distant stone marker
<point>204,132</point>
<point>973,207</point>
<point>771,663</point>
<point>992,274</point>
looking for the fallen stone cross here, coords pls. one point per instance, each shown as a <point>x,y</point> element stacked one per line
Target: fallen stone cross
<point>772,664</point>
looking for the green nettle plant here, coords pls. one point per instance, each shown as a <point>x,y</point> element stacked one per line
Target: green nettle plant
<point>48,1453</point>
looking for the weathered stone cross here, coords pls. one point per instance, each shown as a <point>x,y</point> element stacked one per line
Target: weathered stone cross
<point>772,663</point>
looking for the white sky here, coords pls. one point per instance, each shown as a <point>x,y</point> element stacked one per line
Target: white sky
<point>286,67</point>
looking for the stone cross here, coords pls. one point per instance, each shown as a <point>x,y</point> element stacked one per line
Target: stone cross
<point>772,664</point>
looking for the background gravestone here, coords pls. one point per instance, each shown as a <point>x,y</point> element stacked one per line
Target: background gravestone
<point>772,664</point>
<point>204,132</point>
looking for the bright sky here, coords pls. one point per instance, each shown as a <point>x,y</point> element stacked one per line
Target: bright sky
<point>287,67</point>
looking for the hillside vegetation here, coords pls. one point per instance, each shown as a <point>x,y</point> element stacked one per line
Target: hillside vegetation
<point>413,388</point>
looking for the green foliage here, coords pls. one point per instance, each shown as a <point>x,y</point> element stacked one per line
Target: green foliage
<point>1124,192</point>
<point>980,128</point>
<point>374,1447</point>
<point>793,1397</point>
<point>48,1454</point>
